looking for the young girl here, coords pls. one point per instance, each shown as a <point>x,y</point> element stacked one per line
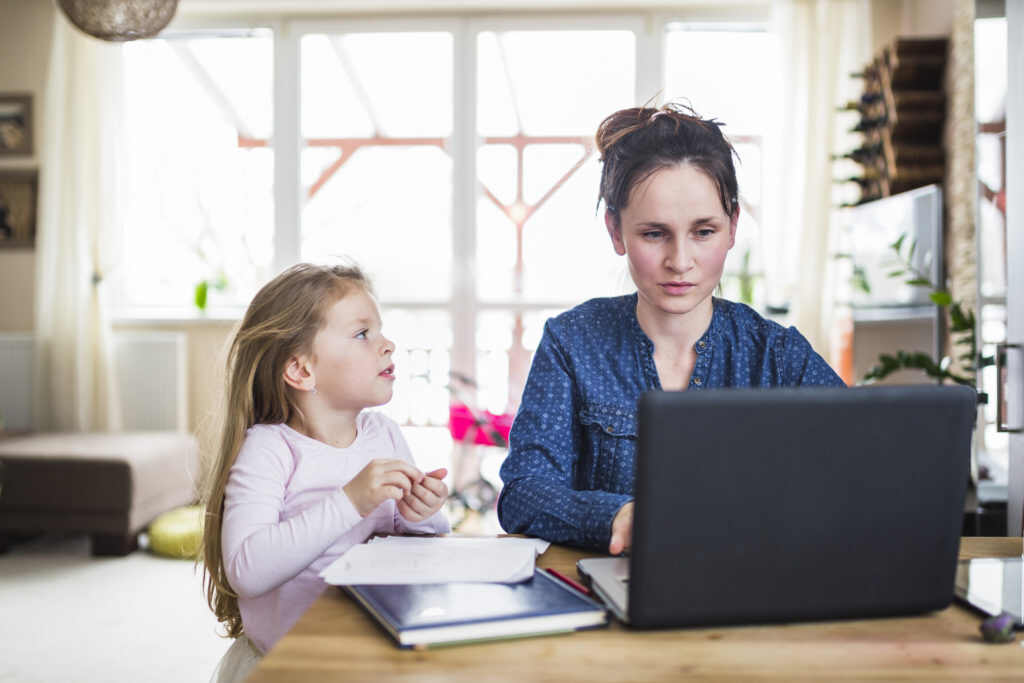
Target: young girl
<point>671,209</point>
<point>303,473</point>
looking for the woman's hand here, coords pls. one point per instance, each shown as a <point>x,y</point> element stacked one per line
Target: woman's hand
<point>622,530</point>
<point>425,498</point>
<point>381,480</point>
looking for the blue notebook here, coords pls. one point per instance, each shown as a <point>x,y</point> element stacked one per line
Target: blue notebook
<point>431,615</point>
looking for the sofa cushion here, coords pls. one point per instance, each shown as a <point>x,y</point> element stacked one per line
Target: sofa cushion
<point>138,474</point>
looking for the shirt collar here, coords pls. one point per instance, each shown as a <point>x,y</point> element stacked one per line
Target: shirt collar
<point>710,336</point>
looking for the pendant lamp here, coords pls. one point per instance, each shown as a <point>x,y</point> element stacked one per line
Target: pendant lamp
<point>119,20</point>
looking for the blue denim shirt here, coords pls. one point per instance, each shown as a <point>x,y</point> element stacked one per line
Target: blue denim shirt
<point>572,449</point>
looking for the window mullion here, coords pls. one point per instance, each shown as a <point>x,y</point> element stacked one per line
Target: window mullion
<point>464,196</point>
<point>287,146</point>
<point>650,60</point>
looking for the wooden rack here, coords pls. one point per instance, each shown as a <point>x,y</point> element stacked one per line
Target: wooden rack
<point>902,111</point>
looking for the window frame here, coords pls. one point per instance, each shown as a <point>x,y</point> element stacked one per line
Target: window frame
<point>649,26</point>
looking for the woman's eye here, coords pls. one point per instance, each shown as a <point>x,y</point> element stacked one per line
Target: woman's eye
<point>361,334</point>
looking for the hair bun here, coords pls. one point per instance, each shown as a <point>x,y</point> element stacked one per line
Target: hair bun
<point>633,142</point>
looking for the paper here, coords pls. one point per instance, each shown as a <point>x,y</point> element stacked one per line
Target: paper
<point>537,544</point>
<point>411,559</point>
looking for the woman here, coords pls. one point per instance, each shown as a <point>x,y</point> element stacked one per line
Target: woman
<point>671,206</point>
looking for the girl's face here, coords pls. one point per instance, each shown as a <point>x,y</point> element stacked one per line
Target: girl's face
<point>675,236</point>
<point>351,359</point>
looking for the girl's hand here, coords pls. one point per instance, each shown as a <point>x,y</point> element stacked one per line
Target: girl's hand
<point>425,498</point>
<point>381,480</point>
<point>622,530</point>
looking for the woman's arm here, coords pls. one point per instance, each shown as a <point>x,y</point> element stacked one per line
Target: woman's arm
<point>260,550</point>
<point>538,497</point>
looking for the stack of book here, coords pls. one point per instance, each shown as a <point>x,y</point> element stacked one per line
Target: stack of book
<point>433,591</point>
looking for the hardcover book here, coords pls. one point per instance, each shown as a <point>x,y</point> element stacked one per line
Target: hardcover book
<point>431,615</point>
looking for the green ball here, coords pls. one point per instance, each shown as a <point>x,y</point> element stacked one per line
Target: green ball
<point>178,532</point>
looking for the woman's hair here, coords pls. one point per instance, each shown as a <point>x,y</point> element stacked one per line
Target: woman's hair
<point>636,142</point>
<point>281,322</point>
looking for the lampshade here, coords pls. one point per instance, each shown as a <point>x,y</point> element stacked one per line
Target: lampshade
<point>120,20</point>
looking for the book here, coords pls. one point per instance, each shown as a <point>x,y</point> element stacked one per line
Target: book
<point>438,614</point>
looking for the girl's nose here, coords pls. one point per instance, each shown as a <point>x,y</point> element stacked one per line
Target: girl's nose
<point>387,347</point>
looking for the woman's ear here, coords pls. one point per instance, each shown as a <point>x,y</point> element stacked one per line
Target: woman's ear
<point>732,225</point>
<point>611,222</point>
<point>298,373</point>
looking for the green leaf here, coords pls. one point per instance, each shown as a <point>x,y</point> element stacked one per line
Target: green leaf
<point>941,297</point>
<point>860,279</point>
<point>919,282</point>
<point>910,254</point>
<point>200,295</point>
<point>895,273</point>
<point>898,244</point>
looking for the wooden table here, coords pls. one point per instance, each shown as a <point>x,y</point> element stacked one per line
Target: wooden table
<point>337,640</point>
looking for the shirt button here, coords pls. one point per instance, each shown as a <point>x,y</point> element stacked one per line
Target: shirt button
<point>696,380</point>
<point>608,428</point>
<point>702,344</point>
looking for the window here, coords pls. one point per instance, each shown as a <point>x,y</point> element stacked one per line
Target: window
<point>199,204</point>
<point>734,59</point>
<point>453,158</point>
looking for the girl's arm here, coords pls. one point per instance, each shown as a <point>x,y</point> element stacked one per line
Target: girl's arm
<point>436,523</point>
<point>538,497</point>
<point>260,550</point>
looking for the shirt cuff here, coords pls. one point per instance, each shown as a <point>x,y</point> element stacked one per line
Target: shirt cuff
<point>437,523</point>
<point>597,525</point>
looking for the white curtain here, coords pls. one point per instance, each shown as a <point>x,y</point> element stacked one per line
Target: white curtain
<point>75,383</point>
<point>823,42</point>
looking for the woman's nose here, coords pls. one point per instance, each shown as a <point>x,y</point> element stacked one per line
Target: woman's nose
<point>679,259</point>
<point>387,347</point>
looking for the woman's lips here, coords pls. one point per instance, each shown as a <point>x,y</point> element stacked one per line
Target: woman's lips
<point>388,372</point>
<point>676,288</point>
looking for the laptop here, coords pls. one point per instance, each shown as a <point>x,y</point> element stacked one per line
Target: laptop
<point>777,505</point>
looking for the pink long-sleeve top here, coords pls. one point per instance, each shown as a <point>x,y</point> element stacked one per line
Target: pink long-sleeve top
<point>286,517</point>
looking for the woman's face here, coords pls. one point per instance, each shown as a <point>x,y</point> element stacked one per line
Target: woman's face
<point>675,235</point>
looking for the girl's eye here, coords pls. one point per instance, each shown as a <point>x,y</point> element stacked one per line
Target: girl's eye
<point>361,334</point>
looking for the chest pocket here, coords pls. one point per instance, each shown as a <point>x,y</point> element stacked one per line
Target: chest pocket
<point>608,458</point>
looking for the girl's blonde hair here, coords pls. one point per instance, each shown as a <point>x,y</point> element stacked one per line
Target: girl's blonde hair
<point>281,322</point>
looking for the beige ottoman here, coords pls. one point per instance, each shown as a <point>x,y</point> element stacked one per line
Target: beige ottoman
<point>109,486</point>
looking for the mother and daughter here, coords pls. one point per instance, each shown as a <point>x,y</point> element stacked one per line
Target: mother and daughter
<point>304,473</point>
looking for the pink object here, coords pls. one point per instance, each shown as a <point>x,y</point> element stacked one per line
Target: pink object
<point>464,427</point>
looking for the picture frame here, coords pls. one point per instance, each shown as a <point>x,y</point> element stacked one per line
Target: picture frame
<point>19,191</point>
<point>15,124</point>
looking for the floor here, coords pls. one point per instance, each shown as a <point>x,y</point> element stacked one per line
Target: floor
<point>68,616</point>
